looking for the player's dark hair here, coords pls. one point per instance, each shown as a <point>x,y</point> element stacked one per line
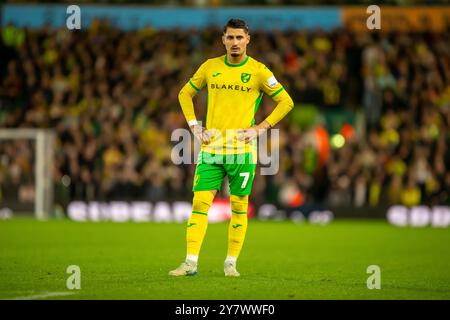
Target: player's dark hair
<point>236,24</point>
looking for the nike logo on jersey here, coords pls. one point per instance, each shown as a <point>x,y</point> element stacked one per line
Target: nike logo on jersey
<point>217,74</point>
<point>191,224</point>
<point>236,225</point>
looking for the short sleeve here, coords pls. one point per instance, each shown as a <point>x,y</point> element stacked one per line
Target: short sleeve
<point>268,83</point>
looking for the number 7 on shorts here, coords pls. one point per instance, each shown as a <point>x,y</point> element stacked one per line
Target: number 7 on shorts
<point>246,175</point>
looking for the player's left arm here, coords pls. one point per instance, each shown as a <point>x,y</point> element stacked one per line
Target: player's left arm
<point>275,90</point>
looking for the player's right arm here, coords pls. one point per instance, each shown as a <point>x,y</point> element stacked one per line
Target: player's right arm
<point>190,89</point>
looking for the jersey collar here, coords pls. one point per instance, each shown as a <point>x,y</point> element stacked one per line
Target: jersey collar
<point>235,65</point>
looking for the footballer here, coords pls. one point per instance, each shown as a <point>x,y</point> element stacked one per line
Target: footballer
<point>235,84</point>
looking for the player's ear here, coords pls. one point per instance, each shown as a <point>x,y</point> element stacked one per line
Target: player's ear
<point>248,38</point>
<point>223,39</point>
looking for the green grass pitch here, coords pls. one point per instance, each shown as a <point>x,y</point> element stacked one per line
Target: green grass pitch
<point>280,260</point>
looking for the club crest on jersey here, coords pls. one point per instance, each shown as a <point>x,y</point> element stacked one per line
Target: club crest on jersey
<point>245,77</point>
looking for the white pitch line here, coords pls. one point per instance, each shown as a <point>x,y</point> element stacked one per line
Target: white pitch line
<point>44,295</point>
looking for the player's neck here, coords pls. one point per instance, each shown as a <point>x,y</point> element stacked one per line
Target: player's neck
<point>236,60</point>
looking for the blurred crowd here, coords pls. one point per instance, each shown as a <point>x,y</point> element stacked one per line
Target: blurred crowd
<point>111,98</point>
<point>214,3</point>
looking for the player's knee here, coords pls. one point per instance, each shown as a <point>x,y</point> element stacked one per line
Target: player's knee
<point>202,201</point>
<point>239,204</point>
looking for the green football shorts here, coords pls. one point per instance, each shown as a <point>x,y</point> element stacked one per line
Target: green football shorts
<point>211,170</point>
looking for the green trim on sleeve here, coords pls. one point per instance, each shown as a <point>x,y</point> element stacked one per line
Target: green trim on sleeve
<point>277,92</point>
<point>193,86</point>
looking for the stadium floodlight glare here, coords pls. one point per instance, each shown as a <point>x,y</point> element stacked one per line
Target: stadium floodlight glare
<point>337,141</point>
<point>44,150</point>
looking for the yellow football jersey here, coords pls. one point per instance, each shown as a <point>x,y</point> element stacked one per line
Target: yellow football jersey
<point>234,94</point>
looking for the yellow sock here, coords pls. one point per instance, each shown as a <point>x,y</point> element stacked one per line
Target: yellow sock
<point>238,225</point>
<point>198,222</point>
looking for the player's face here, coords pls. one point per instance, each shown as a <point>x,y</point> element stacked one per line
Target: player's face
<point>235,41</point>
